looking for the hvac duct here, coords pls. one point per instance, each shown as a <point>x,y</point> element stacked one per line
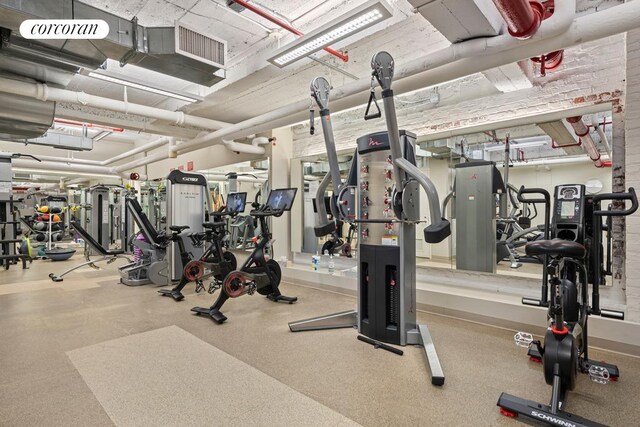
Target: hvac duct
<point>582,131</point>
<point>175,51</point>
<point>23,118</point>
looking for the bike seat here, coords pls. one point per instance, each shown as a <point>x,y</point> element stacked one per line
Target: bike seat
<point>556,247</point>
<point>212,225</point>
<point>178,228</point>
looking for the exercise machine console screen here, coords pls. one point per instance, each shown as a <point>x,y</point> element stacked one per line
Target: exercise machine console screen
<point>236,203</point>
<point>281,199</point>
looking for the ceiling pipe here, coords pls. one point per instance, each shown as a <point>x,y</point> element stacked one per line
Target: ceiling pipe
<point>62,167</point>
<point>145,147</point>
<point>582,131</point>
<point>603,137</point>
<point>243,148</point>
<point>562,30</point>
<point>523,17</point>
<point>140,162</point>
<point>558,161</point>
<point>484,53</point>
<point>44,92</point>
<point>282,24</point>
<point>87,125</point>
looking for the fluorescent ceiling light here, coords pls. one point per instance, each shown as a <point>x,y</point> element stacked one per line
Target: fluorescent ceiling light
<point>363,16</point>
<point>514,145</point>
<point>101,135</point>
<point>146,88</point>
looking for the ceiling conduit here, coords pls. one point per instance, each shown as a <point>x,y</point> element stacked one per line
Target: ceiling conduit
<point>560,31</point>
<point>523,17</point>
<point>582,131</point>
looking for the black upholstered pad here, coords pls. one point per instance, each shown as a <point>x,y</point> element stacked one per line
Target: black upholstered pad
<point>556,247</point>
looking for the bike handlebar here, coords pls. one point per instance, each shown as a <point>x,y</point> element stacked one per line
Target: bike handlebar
<point>545,194</point>
<point>630,195</point>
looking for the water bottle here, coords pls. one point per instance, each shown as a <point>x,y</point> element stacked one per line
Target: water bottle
<point>324,261</point>
<point>332,265</point>
<point>315,262</point>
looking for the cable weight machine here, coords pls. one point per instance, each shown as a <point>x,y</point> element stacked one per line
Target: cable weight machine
<point>388,210</point>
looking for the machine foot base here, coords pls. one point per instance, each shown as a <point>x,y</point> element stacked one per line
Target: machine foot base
<point>513,406</point>
<point>378,344</point>
<point>344,319</point>
<point>282,298</point>
<point>55,278</point>
<point>216,315</point>
<point>176,295</point>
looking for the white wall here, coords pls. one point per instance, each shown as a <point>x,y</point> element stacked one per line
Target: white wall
<point>279,177</point>
<point>548,177</point>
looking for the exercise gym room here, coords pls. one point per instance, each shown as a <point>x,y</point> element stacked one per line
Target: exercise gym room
<point>319,213</point>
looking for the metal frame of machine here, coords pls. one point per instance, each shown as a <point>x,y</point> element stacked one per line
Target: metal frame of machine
<point>386,302</point>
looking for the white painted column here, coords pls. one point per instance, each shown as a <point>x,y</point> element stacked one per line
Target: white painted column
<point>279,177</point>
<point>632,163</point>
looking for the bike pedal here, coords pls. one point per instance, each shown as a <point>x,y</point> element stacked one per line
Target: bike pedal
<point>523,339</point>
<point>598,374</point>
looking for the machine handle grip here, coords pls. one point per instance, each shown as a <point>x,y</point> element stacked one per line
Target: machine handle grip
<point>545,194</point>
<point>630,195</point>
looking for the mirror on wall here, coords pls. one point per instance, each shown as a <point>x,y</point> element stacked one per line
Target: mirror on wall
<point>344,241</point>
<point>251,177</point>
<point>490,227</point>
<point>478,176</point>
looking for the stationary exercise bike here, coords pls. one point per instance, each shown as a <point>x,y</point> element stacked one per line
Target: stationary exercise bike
<point>216,261</point>
<point>573,259</point>
<point>258,273</point>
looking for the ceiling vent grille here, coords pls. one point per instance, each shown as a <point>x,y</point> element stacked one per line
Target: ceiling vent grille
<point>198,46</point>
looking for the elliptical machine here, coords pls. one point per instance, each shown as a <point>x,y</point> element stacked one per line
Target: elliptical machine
<point>258,273</point>
<point>573,259</point>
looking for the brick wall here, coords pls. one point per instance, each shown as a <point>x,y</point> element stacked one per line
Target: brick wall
<point>632,161</point>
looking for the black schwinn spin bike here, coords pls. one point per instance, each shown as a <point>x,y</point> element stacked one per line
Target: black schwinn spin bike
<point>573,259</point>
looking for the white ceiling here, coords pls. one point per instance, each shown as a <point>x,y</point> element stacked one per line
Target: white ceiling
<point>253,86</point>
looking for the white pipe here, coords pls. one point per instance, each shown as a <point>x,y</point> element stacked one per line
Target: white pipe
<point>47,93</point>
<point>449,63</point>
<point>563,160</point>
<point>243,148</point>
<point>603,137</point>
<point>69,160</point>
<point>582,131</point>
<point>63,167</point>
<point>487,47</point>
<point>146,147</point>
<point>140,162</point>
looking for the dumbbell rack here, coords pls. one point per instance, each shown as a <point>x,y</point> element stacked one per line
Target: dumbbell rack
<point>9,239</point>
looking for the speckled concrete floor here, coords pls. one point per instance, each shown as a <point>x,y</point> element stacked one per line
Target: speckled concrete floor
<point>39,385</point>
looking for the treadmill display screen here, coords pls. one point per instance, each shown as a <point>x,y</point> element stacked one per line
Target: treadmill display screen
<point>236,202</point>
<point>567,209</point>
<point>281,199</point>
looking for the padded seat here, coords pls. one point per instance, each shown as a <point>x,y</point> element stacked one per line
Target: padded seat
<point>178,228</point>
<point>556,247</point>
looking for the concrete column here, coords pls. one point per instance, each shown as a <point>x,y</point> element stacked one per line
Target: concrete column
<point>632,164</point>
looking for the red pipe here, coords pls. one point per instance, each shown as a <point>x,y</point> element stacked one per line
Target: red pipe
<point>523,17</point>
<point>286,26</point>
<point>89,125</point>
